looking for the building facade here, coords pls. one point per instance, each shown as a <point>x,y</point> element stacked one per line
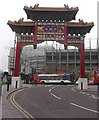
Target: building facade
<point>69,60</point>
<point>52,60</point>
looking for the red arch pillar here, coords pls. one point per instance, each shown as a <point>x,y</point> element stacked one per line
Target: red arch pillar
<point>35,36</point>
<point>82,60</point>
<point>17,59</point>
<point>65,37</point>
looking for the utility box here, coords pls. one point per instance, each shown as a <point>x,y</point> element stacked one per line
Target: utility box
<point>82,83</point>
<point>16,82</point>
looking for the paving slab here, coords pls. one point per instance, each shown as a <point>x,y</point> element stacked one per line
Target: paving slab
<point>7,110</point>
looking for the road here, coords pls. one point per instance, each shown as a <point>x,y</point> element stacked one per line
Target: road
<point>56,101</point>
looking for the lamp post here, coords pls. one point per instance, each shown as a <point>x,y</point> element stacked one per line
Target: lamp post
<point>56,57</point>
<point>90,55</point>
<point>14,50</point>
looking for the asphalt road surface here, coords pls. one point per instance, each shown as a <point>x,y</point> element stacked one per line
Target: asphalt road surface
<point>57,101</point>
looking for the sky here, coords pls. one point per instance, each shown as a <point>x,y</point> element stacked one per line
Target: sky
<point>13,10</point>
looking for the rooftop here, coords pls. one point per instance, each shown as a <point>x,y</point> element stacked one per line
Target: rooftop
<point>51,13</point>
<point>37,8</point>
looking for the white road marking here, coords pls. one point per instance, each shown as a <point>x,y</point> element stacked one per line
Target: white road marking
<point>53,87</point>
<point>89,95</point>
<point>46,86</point>
<point>55,96</point>
<point>73,89</point>
<point>88,109</point>
<point>83,93</point>
<point>50,90</point>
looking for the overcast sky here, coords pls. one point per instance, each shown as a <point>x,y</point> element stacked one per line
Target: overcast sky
<point>13,10</point>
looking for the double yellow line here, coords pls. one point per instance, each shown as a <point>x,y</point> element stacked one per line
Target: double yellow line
<point>24,112</point>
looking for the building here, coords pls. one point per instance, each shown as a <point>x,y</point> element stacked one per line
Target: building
<point>32,59</point>
<point>69,60</point>
<point>51,60</point>
<point>11,61</point>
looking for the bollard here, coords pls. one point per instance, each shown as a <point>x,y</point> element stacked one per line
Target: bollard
<point>7,86</point>
<point>98,91</point>
<point>81,86</point>
<point>16,85</point>
<point>98,86</point>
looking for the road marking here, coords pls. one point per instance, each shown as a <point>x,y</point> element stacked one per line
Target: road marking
<point>23,111</point>
<point>88,109</point>
<point>53,87</point>
<point>50,90</point>
<point>73,89</point>
<point>88,94</point>
<point>55,96</point>
<point>84,93</point>
<point>48,85</point>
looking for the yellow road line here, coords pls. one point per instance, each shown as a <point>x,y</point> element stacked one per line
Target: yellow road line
<point>23,111</point>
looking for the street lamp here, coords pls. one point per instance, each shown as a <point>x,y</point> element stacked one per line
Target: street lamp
<point>56,57</point>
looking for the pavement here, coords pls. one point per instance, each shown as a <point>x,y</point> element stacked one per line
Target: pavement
<point>93,90</point>
<point>7,110</point>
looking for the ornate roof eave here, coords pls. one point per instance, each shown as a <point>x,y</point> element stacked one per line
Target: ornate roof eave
<point>21,23</point>
<point>51,13</point>
<point>73,27</point>
<point>21,27</point>
<point>37,8</point>
<point>80,24</point>
<point>80,27</point>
